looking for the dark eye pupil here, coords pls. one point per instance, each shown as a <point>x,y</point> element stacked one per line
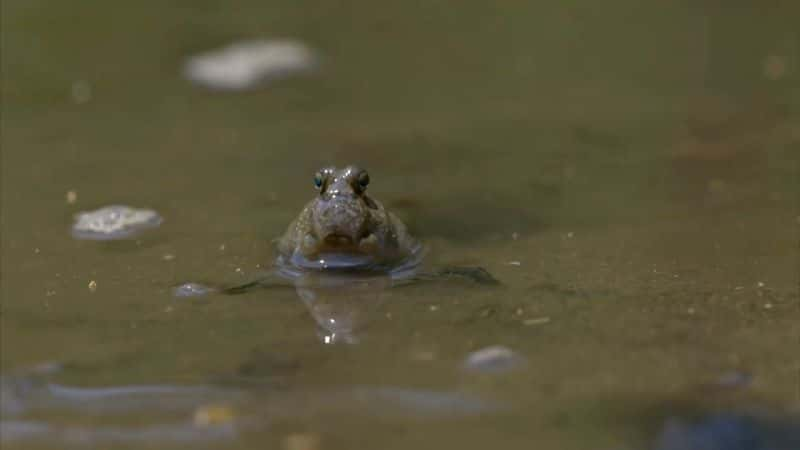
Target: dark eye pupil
<point>317,181</point>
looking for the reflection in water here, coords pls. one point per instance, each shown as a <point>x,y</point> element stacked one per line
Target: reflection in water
<point>17,430</point>
<point>342,303</point>
<point>26,395</point>
<point>730,431</point>
<point>28,398</point>
<point>29,393</point>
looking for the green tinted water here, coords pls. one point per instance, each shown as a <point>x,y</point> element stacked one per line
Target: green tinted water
<point>629,171</point>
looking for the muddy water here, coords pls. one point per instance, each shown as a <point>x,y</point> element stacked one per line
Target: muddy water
<point>628,171</point>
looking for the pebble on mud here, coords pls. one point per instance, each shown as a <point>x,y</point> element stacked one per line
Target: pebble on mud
<point>210,415</point>
<point>493,359</point>
<point>243,65</point>
<point>92,285</point>
<point>114,222</point>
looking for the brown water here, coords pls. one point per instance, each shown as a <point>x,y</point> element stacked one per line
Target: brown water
<point>628,171</point>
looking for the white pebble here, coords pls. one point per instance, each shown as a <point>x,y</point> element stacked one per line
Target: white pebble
<point>114,222</point>
<point>191,290</point>
<point>493,359</point>
<point>244,64</point>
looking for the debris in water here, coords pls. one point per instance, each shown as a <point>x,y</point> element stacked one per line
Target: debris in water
<point>493,359</point>
<point>191,290</point>
<point>114,222</point>
<point>243,65</point>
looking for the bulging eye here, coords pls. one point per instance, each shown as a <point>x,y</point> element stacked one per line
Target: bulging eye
<point>363,180</point>
<point>318,180</point>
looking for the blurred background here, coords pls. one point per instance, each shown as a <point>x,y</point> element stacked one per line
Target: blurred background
<point>628,170</point>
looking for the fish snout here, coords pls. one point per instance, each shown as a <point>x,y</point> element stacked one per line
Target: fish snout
<point>340,223</point>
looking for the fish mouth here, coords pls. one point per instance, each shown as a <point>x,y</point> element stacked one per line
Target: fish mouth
<point>337,240</point>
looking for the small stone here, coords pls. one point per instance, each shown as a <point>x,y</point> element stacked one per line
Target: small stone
<point>244,65</point>
<point>72,197</point>
<point>775,67</point>
<point>81,92</point>
<point>492,360</point>
<point>514,263</point>
<point>114,222</point>
<point>301,442</point>
<point>92,285</point>
<point>210,415</point>
<point>570,235</point>
<point>515,235</point>
<point>433,308</point>
<point>734,379</point>
<point>760,284</point>
<point>423,356</point>
<point>767,305</point>
<point>191,290</point>
<point>168,257</point>
<point>536,321</point>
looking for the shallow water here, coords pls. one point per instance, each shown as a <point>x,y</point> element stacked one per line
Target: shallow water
<point>629,172</point>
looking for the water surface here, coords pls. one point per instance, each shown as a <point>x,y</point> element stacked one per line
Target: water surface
<point>629,171</point>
